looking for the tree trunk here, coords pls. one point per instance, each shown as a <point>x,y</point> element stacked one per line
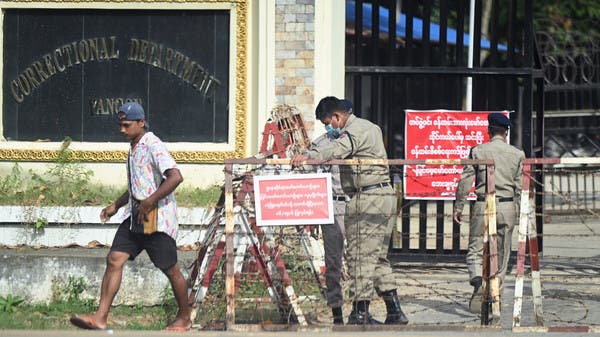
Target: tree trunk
<point>485,27</point>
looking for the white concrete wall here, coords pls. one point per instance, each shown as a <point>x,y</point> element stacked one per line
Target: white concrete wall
<point>37,274</point>
<point>330,48</point>
<point>81,226</point>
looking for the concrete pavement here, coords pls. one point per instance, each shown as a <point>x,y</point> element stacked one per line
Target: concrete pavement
<point>435,296</point>
<point>303,333</point>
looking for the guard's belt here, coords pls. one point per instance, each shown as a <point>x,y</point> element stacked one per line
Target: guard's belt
<point>339,198</point>
<point>374,186</point>
<point>501,199</point>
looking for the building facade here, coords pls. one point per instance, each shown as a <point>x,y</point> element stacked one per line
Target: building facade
<point>208,73</point>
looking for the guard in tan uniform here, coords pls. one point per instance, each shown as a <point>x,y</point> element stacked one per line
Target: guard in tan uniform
<point>334,234</point>
<point>508,161</point>
<point>370,212</point>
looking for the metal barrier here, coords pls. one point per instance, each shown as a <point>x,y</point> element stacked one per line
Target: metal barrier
<point>272,275</point>
<point>528,234</point>
<point>283,295</point>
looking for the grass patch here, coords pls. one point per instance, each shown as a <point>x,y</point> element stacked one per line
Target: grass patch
<point>66,301</point>
<point>196,197</point>
<point>56,316</point>
<point>64,184</point>
<point>68,184</point>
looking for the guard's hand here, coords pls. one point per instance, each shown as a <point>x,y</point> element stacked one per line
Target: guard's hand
<point>108,212</point>
<point>458,217</point>
<point>298,160</point>
<point>145,207</point>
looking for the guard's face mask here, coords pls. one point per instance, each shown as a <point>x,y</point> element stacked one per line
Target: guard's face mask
<point>331,131</point>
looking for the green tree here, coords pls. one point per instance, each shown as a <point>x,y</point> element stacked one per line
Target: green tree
<point>572,15</point>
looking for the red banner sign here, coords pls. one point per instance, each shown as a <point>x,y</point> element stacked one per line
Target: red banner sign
<point>440,135</point>
<point>298,199</point>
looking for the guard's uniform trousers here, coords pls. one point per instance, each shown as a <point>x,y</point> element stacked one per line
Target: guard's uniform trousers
<point>508,171</point>
<point>333,244</point>
<point>333,235</point>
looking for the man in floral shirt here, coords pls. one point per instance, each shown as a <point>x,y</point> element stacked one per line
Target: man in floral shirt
<point>152,177</point>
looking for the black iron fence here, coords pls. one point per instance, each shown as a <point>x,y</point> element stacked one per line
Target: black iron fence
<point>572,190</point>
<point>414,55</point>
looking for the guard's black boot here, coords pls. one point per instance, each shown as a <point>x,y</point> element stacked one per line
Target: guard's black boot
<point>360,314</point>
<point>475,301</point>
<point>338,316</point>
<point>394,311</point>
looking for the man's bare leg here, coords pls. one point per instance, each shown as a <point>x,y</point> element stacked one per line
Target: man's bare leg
<point>182,321</point>
<point>111,282</point>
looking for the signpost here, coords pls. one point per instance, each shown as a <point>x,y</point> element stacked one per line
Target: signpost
<point>304,199</point>
<point>440,134</point>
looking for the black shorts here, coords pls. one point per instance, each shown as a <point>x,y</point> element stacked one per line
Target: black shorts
<point>161,248</point>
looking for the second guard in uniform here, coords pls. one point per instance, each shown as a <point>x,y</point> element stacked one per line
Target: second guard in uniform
<point>508,161</point>
<point>333,235</point>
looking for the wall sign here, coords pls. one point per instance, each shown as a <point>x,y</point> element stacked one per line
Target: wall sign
<point>297,199</point>
<point>440,135</point>
<point>67,71</point>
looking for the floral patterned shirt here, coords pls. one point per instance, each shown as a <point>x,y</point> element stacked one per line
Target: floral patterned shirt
<point>146,165</point>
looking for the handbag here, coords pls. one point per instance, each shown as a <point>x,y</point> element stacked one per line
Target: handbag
<point>148,226</point>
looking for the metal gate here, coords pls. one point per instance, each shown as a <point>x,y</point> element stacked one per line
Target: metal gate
<point>414,55</point>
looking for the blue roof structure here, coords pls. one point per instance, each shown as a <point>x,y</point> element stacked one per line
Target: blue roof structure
<point>434,28</point>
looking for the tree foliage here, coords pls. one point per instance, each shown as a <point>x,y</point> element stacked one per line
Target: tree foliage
<point>573,15</point>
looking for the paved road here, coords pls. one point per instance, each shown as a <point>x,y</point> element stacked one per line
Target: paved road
<point>130,333</point>
<point>435,300</point>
